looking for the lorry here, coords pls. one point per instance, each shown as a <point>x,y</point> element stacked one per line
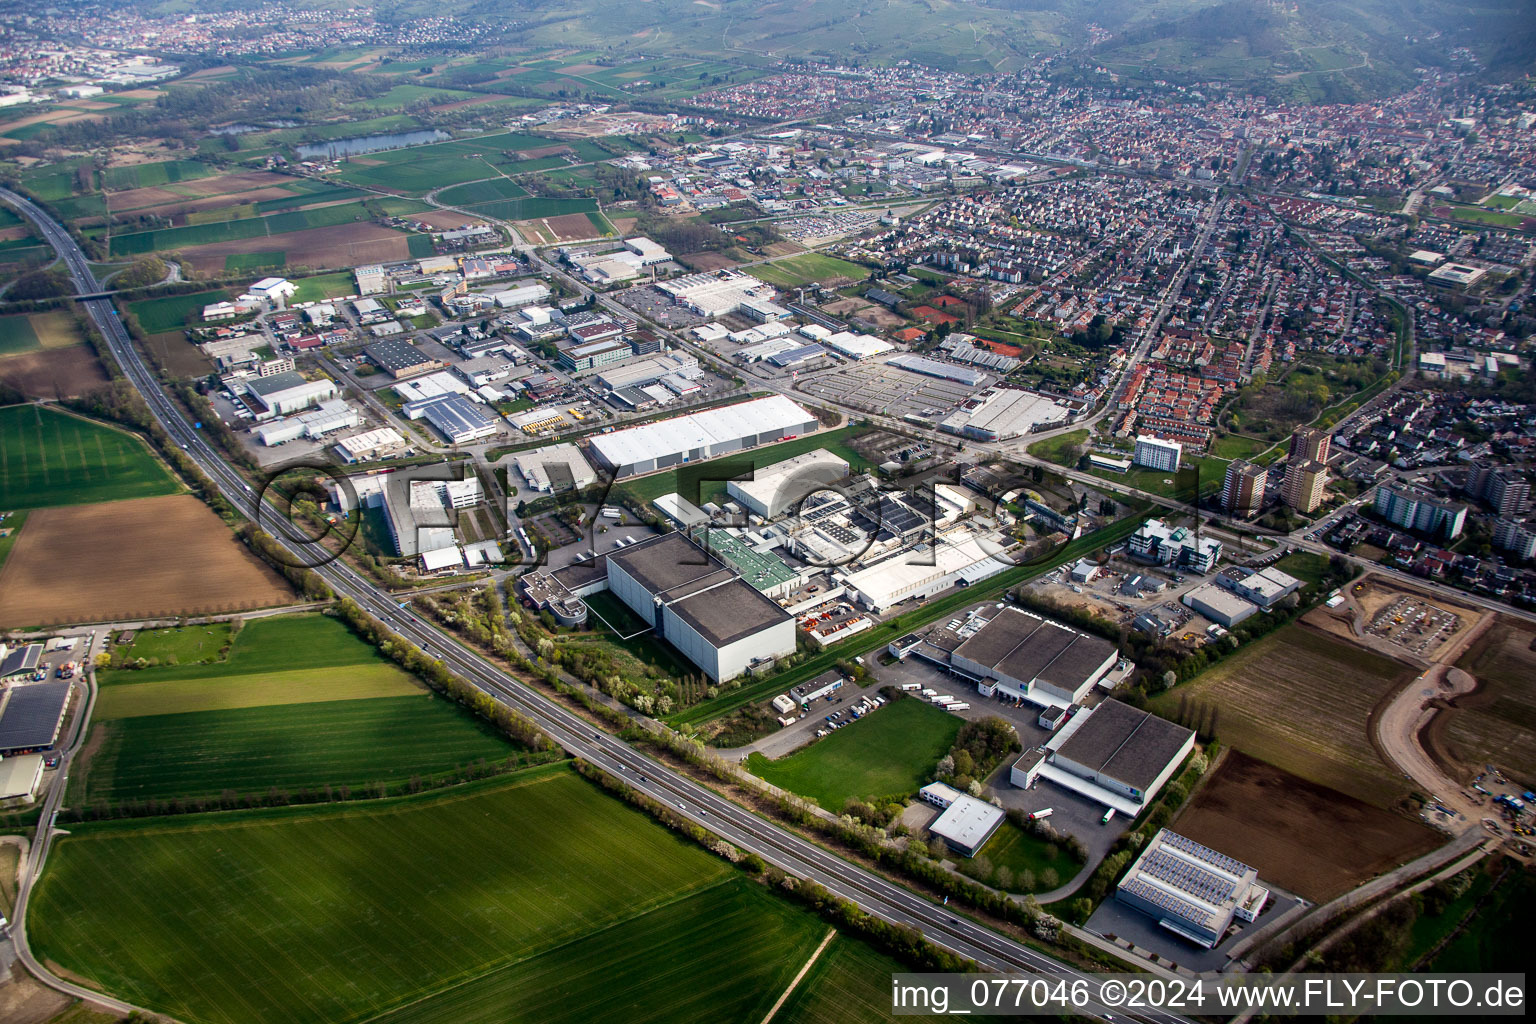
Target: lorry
<point>1042,814</point>
<point>1107,815</point>
<point>911,686</point>
<point>958,705</point>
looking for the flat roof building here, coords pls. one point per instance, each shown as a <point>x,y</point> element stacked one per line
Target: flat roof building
<point>31,715</point>
<point>1220,605</point>
<point>702,435</point>
<point>967,823</point>
<point>1113,754</point>
<point>285,393</point>
<point>556,467</point>
<point>700,606</point>
<point>1157,542</point>
<point>399,358</point>
<point>1035,659</point>
<point>999,413</point>
<point>1192,890</point>
<point>777,487</point>
<point>371,445</point>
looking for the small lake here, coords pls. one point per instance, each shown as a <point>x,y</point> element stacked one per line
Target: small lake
<point>371,143</point>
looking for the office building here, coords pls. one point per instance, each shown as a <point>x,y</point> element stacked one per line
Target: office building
<point>1242,492</point>
<point>1179,547</point>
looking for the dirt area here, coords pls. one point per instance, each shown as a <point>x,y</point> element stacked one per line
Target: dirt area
<point>222,184</point>
<point>1376,598</point>
<point>1303,837</point>
<point>13,233</point>
<point>447,220</point>
<point>702,261</point>
<point>180,209</point>
<point>1496,722</point>
<point>625,225</point>
<point>131,559</point>
<point>53,373</point>
<point>345,245</point>
<point>571,226</point>
<point>173,351</point>
<point>25,1000</point>
<point>783,248</point>
<point>878,315</point>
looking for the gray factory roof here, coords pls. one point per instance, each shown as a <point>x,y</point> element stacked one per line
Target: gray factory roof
<point>699,587</point>
<point>1125,744</point>
<point>30,714</point>
<point>395,354</point>
<point>284,381</point>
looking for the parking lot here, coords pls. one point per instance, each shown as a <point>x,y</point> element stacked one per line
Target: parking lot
<point>651,303</point>
<point>893,391</point>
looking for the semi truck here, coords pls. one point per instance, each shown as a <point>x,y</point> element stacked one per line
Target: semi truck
<point>1042,814</point>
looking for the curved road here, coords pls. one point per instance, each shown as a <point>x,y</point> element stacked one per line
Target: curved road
<point>783,849</point>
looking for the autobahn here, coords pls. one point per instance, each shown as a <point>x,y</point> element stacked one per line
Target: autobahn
<point>786,850</point>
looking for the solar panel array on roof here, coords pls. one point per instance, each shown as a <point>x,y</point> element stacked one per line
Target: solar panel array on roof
<point>1191,878</point>
<point>31,714</point>
<point>1172,904</point>
<point>1221,861</point>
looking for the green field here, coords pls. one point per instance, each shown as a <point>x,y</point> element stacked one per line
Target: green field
<point>146,175</point>
<point>647,488</point>
<point>435,907</point>
<point>849,984</point>
<point>488,191</point>
<point>174,312</point>
<point>250,750</point>
<point>17,335</point>
<point>532,207</point>
<point>249,262</point>
<point>49,457</point>
<point>298,702</point>
<point>1304,565</point>
<point>806,268</point>
<point>890,751</point>
<point>268,225</point>
<point>325,286</point>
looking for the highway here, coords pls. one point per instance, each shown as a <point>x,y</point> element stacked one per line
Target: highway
<point>777,846</point>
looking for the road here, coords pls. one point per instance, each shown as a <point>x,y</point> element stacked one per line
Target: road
<point>777,846</point>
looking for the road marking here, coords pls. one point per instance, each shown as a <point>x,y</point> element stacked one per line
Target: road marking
<point>831,934</point>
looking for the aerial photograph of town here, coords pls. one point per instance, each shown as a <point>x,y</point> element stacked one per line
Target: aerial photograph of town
<point>765,511</point>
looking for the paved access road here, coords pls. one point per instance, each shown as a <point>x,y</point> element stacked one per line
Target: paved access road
<point>777,846</point>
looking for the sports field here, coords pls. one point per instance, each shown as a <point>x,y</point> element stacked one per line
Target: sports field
<point>1301,700</point>
<point>249,722</point>
<point>891,751</point>
<point>436,907</point>
<point>49,457</point>
<point>325,286</point>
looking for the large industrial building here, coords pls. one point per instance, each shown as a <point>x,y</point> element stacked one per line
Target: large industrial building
<point>399,358</point>
<point>917,573</point>
<point>715,293</point>
<point>556,467</point>
<point>701,435</point>
<point>455,417</point>
<point>1190,889</point>
<point>1113,754</point>
<point>700,606</point>
<point>1025,656</point>
<point>778,487</point>
<point>999,413</point>
<point>283,394</point>
<point>31,715</point>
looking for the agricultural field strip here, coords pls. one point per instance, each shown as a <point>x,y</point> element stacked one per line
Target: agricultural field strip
<point>296,686</point>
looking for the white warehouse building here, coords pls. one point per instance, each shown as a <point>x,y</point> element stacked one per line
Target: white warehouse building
<point>1035,659</point>
<point>702,435</point>
<point>923,572</point>
<point>780,486</point>
<point>700,606</point>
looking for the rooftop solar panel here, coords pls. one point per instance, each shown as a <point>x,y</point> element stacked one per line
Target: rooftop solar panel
<point>31,714</point>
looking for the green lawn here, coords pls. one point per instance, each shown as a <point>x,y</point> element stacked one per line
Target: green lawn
<point>343,914</point>
<point>325,286</point>
<point>248,262</point>
<point>1304,565</point>
<point>647,488</point>
<point>181,645</point>
<point>17,335</point>
<point>891,751</point>
<point>250,750</point>
<point>1018,851</point>
<point>49,457</point>
<point>274,643</point>
<point>11,525</point>
<point>1058,449</point>
<point>806,268</point>
<point>174,312</point>
<point>488,191</point>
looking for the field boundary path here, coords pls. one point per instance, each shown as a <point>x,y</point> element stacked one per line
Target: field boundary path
<point>804,969</point>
